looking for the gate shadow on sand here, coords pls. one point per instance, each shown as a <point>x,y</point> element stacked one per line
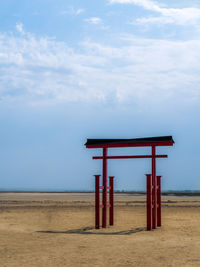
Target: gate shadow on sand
<point>86,231</point>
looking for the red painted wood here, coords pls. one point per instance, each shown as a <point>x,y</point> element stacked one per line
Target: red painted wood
<point>97,206</point>
<point>149,206</point>
<point>111,195</point>
<point>108,206</point>
<point>154,184</point>
<point>132,145</point>
<point>154,197</point>
<point>159,201</point>
<point>132,157</point>
<point>104,202</point>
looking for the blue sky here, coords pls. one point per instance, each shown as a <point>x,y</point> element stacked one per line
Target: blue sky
<point>72,70</point>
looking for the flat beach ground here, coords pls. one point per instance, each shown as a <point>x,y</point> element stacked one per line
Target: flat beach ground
<point>57,229</point>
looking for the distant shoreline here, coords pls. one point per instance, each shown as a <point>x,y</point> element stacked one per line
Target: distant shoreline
<point>164,193</point>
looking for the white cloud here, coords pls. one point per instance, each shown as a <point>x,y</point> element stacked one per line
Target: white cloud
<point>20,28</point>
<point>180,16</point>
<point>156,20</point>
<point>148,4</point>
<point>72,11</point>
<point>94,20</point>
<point>141,70</point>
<point>79,11</point>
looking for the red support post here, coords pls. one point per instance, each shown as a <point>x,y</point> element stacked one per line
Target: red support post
<point>158,200</point>
<point>149,206</point>
<point>154,185</point>
<point>104,199</point>
<point>111,199</point>
<point>97,203</point>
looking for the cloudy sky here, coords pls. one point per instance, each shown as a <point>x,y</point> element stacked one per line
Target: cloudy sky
<point>72,70</point>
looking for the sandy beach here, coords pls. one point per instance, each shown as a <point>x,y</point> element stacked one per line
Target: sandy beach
<point>57,229</point>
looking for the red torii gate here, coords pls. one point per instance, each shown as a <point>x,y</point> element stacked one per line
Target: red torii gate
<point>153,181</point>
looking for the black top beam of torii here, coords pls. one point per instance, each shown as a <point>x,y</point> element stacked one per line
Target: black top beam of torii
<point>136,142</point>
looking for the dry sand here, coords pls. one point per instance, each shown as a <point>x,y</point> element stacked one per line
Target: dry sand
<point>57,230</point>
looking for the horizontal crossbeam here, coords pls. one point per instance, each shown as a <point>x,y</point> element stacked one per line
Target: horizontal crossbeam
<point>102,206</point>
<point>132,157</point>
<point>102,187</point>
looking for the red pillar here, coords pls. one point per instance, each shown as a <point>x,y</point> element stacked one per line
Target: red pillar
<point>149,206</point>
<point>97,210</point>
<point>104,199</point>
<point>154,185</point>
<point>111,199</point>
<point>158,200</point>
